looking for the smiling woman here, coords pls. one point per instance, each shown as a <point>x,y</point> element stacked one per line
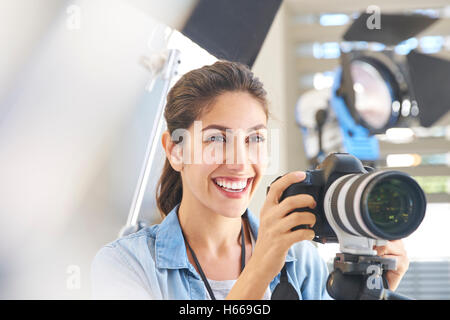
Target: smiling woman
<point>209,245</point>
<point>228,143</point>
<point>230,87</point>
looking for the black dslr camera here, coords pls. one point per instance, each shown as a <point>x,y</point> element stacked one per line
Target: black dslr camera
<point>358,206</point>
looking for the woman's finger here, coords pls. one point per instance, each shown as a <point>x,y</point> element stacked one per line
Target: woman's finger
<point>299,235</point>
<point>291,203</point>
<point>277,188</point>
<point>394,247</point>
<point>296,219</point>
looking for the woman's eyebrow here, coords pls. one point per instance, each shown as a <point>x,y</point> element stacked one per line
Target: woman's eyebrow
<point>222,128</point>
<point>257,127</point>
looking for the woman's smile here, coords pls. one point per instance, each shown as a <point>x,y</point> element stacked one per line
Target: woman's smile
<point>233,187</point>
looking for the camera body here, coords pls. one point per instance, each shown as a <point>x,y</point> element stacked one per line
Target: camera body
<point>316,183</point>
<point>358,206</point>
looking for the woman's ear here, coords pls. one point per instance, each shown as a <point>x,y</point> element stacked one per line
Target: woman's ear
<point>174,151</point>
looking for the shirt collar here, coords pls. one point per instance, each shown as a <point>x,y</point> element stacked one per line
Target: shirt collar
<point>170,248</point>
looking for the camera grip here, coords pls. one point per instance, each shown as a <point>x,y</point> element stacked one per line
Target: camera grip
<point>303,187</point>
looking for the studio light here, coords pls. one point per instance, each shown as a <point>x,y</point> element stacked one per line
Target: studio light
<point>375,91</point>
<point>384,89</point>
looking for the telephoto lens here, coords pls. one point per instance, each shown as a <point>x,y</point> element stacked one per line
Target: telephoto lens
<point>386,205</point>
<point>355,202</point>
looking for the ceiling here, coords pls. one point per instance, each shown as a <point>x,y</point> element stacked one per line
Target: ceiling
<point>349,6</point>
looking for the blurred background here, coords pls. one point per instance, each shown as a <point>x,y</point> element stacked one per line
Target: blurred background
<point>80,85</point>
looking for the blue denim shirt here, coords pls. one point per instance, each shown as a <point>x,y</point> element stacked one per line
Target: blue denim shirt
<point>153,264</point>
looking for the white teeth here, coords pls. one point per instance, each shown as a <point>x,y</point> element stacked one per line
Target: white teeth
<point>231,185</point>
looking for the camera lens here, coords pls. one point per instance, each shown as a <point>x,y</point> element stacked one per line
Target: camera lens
<point>382,205</point>
<point>393,205</point>
<point>390,206</point>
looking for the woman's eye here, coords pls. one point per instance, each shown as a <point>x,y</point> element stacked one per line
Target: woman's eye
<point>217,138</point>
<point>256,138</point>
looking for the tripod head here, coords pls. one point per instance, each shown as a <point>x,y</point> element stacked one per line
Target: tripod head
<point>361,277</point>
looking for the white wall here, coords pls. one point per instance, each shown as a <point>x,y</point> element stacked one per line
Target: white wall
<point>67,173</point>
<point>275,71</point>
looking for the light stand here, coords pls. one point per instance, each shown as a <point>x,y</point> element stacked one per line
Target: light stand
<point>166,72</point>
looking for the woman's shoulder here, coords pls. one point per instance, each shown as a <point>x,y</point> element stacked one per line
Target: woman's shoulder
<point>144,234</point>
<point>159,244</point>
<point>129,251</point>
<point>121,267</point>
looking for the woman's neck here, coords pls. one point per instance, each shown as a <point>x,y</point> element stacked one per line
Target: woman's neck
<point>206,230</point>
<point>215,239</point>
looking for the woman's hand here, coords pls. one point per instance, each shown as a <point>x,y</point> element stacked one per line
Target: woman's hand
<point>275,236</point>
<point>394,249</point>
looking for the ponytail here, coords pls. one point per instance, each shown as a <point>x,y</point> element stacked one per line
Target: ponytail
<point>170,189</point>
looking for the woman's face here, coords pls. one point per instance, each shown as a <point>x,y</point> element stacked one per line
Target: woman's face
<point>226,154</point>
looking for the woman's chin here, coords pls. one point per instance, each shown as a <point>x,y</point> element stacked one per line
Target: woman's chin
<point>230,210</point>
<point>231,203</point>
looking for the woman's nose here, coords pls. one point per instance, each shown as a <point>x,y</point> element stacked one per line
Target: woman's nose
<point>236,153</point>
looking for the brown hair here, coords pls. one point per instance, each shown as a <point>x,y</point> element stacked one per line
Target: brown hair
<point>187,100</point>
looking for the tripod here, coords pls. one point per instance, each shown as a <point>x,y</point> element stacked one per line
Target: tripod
<point>361,277</point>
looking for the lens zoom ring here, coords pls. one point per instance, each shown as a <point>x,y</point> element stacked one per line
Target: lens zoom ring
<point>349,205</point>
<point>334,205</point>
